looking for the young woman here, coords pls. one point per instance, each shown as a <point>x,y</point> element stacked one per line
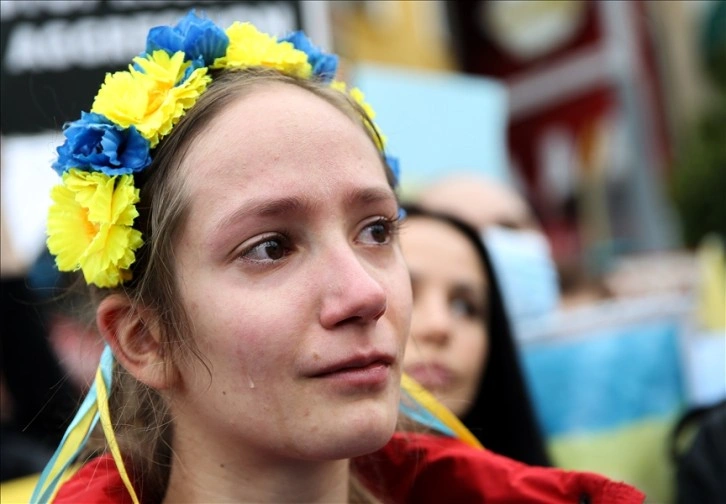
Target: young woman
<point>235,210</point>
<point>461,347</point>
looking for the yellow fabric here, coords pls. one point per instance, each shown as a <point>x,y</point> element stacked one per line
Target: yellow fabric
<point>712,285</point>
<point>636,453</point>
<point>110,436</point>
<point>439,410</point>
<point>70,448</point>
<point>18,491</point>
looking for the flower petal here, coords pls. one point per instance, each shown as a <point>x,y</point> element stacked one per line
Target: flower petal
<point>89,226</point>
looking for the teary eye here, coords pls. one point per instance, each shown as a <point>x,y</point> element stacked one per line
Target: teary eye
<point>379,232</point>
<point>269,250</point>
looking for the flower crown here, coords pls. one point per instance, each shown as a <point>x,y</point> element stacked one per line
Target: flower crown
<point>90,222</point>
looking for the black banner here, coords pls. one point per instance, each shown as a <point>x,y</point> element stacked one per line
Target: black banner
<point>55,53</point>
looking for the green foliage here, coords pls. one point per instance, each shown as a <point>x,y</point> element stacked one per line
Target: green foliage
<point>698,184</point>
<point>713,44</point>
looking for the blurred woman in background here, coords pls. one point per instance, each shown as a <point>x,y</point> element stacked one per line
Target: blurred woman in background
<point>461,347</point>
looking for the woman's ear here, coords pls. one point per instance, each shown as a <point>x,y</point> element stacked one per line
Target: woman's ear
<point>133,334</point>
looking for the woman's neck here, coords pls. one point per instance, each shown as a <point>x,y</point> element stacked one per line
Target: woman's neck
<point>204,473</point>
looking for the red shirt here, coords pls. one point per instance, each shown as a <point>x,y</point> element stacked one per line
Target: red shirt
<point>416,468</point>
<point>421,468</point>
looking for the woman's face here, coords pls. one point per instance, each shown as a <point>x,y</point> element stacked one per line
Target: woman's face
<point>292,276</point>
<point>448,347</point>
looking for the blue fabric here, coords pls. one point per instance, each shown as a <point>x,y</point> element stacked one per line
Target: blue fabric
<point>606,379</point>
<point>415,411</point>
<point>41,495</point>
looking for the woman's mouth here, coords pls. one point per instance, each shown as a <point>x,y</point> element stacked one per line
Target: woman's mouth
<point>366,373</point>
<point>432,376</point>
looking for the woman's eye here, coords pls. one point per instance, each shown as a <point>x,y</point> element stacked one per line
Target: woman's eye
<point>379,232</point>
<point>466,308</point>
<point>269,250</point>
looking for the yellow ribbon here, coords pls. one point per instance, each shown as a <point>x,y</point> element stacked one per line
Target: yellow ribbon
<point>102,402</point>
<point>441,412</point>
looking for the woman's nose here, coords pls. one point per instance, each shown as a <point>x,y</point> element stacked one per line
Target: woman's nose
<point>431,320</point>
<point>355,293</point>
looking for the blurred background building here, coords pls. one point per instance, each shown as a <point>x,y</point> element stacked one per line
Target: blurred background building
<point>610,117</point>
<point>601,97</point>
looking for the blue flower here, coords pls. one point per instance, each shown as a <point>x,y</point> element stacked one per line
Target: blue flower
<point>324,65</point>
<point>93,143</point>
<point>395,167</point>
<point>201,40</point>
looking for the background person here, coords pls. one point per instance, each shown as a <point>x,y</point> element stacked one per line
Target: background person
<point>519,249</point>
<point>461,346</point>
<point>700,458</point>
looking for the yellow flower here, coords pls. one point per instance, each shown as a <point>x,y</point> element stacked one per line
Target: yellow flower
<point>338,86</point>
<point>151,100</point>
<point>250,47</point>
<point>89,226</point>
<point>358,96</point>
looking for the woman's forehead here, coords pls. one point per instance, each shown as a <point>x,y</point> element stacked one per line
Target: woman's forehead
<point>276,126</point>
<point>275,106</point>
<point>433,245</point>
<point>283,145</point>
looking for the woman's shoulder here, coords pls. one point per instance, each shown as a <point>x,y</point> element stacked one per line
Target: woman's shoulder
<point>426,468</point>
<point>97,482</point>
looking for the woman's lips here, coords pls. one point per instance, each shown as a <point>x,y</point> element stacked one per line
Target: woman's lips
<point>372,376</point>
<point>365,373</point>
<point>431,375</point>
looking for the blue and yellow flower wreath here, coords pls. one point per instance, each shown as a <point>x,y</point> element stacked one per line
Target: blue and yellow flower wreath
<point>90,222</point>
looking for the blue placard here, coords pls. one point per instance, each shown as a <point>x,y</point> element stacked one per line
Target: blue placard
<point>438,122</point>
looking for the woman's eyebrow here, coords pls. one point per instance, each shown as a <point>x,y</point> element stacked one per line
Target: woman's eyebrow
<point>369,195</point>
<point>264,208</point>
<point>289,205</point>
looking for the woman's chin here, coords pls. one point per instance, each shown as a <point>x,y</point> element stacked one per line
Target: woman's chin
<point>354,436</point>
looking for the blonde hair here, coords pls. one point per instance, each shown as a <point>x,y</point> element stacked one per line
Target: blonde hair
<point>142,422</point>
